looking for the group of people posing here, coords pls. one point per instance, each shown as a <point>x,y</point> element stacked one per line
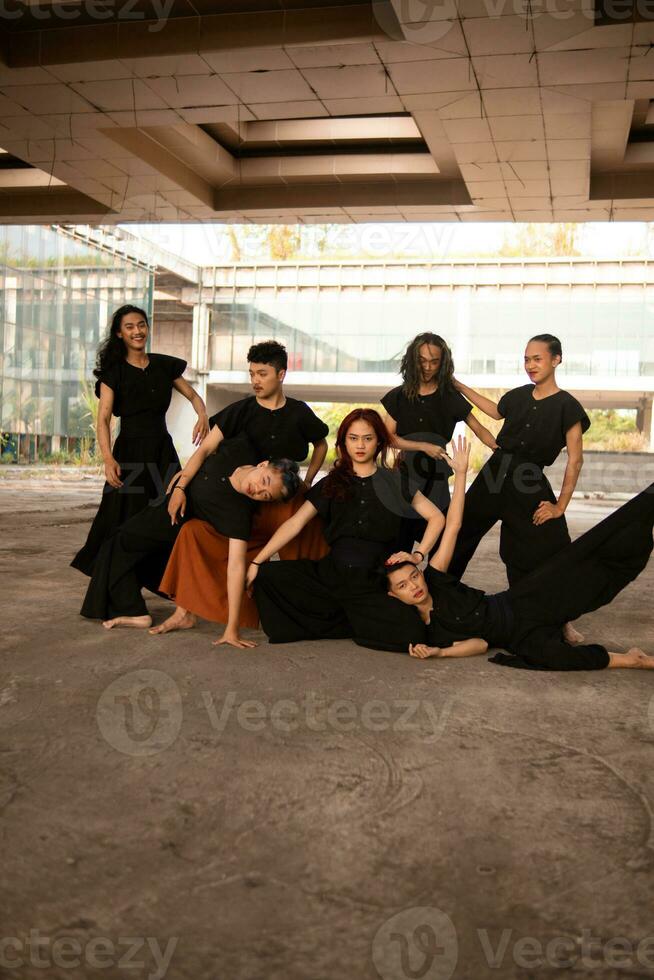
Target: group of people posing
<point>375,550</point>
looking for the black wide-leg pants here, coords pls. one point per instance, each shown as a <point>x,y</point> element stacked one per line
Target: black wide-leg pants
<point>585,575</point>
<point>134,556</point>
<point>509,491</point>
<point>327,600</point>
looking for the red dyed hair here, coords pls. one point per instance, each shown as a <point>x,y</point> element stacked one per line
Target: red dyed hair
<point>339,480</point>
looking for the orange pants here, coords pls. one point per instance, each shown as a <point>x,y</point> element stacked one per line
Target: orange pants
<point>196,573</point>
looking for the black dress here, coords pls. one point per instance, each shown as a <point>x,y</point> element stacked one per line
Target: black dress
<point>511,484</point>
<point>143,448</point>
<point>330,598</point>
<point>136,555</point>
<point>427,418</point>
<point>279,433</point>
<point>527,619</point>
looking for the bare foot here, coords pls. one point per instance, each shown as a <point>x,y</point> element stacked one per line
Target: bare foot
<point>136,622</point>
<point>571,635</point>
<point>634,657</point>
<point>180,620</point>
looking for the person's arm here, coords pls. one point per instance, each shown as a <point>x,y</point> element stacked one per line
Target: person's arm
<point>459,463</point>
<point>316,461</point>
<point>460,648</point>
<point>411,445</point>
<point>435,522</point>
<point>235,587</point>
<point>178,484</point>
<point>201,427</point>
<point>574,442</point>
<point>103,433</point>
<point>486,405</point>
<point>482,433</point>
<point>284,533</point>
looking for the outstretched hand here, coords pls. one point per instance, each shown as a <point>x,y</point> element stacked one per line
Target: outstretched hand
<point>233,639</point>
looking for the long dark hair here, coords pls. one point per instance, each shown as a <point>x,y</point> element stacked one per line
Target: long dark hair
<point>410,366</point>
<point>112,350</point>
<point>340,479</point>
<point>290,474</point>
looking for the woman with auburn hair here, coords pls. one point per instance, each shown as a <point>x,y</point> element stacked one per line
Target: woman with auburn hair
<point>361,504</point>
<point>421,414</point>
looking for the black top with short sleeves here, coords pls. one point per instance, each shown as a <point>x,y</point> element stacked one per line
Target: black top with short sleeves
<point>363,528</point>
<point>427,415</point>
<point>278,433</point>
<point>212,496</point>
<point>142,395</point>
<point>536,429</point>
<point>459,611</point>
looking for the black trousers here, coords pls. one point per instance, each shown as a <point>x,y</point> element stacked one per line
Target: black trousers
<point>327,600</point>
<point>509,491</point>
<point>584,576</point>
<point>133,557</point>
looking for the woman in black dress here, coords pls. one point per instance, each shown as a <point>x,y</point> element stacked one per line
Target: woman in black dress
<point>528,619</point>
<point>137,387</point>
<point>361,504</point>
<point>420,417</point>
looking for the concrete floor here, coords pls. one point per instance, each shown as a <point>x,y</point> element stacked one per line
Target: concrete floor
<point>364,815</point>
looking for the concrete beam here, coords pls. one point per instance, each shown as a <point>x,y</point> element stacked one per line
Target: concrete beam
<point>53,204</point>
<point>180,35</point>
<point>352,194</point>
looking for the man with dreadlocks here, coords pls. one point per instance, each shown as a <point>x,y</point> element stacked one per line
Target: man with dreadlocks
<point>420,417</point>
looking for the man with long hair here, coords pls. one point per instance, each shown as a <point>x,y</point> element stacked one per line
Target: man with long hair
<point>421,414</point>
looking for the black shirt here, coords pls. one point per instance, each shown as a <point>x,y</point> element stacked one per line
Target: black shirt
<point>363,528</point>
<point>427,417</point>
<point>142,395</point>
<point>459,612</point>
<point>213,498</point>
<point>536,429</point>
<point>279,433</point>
